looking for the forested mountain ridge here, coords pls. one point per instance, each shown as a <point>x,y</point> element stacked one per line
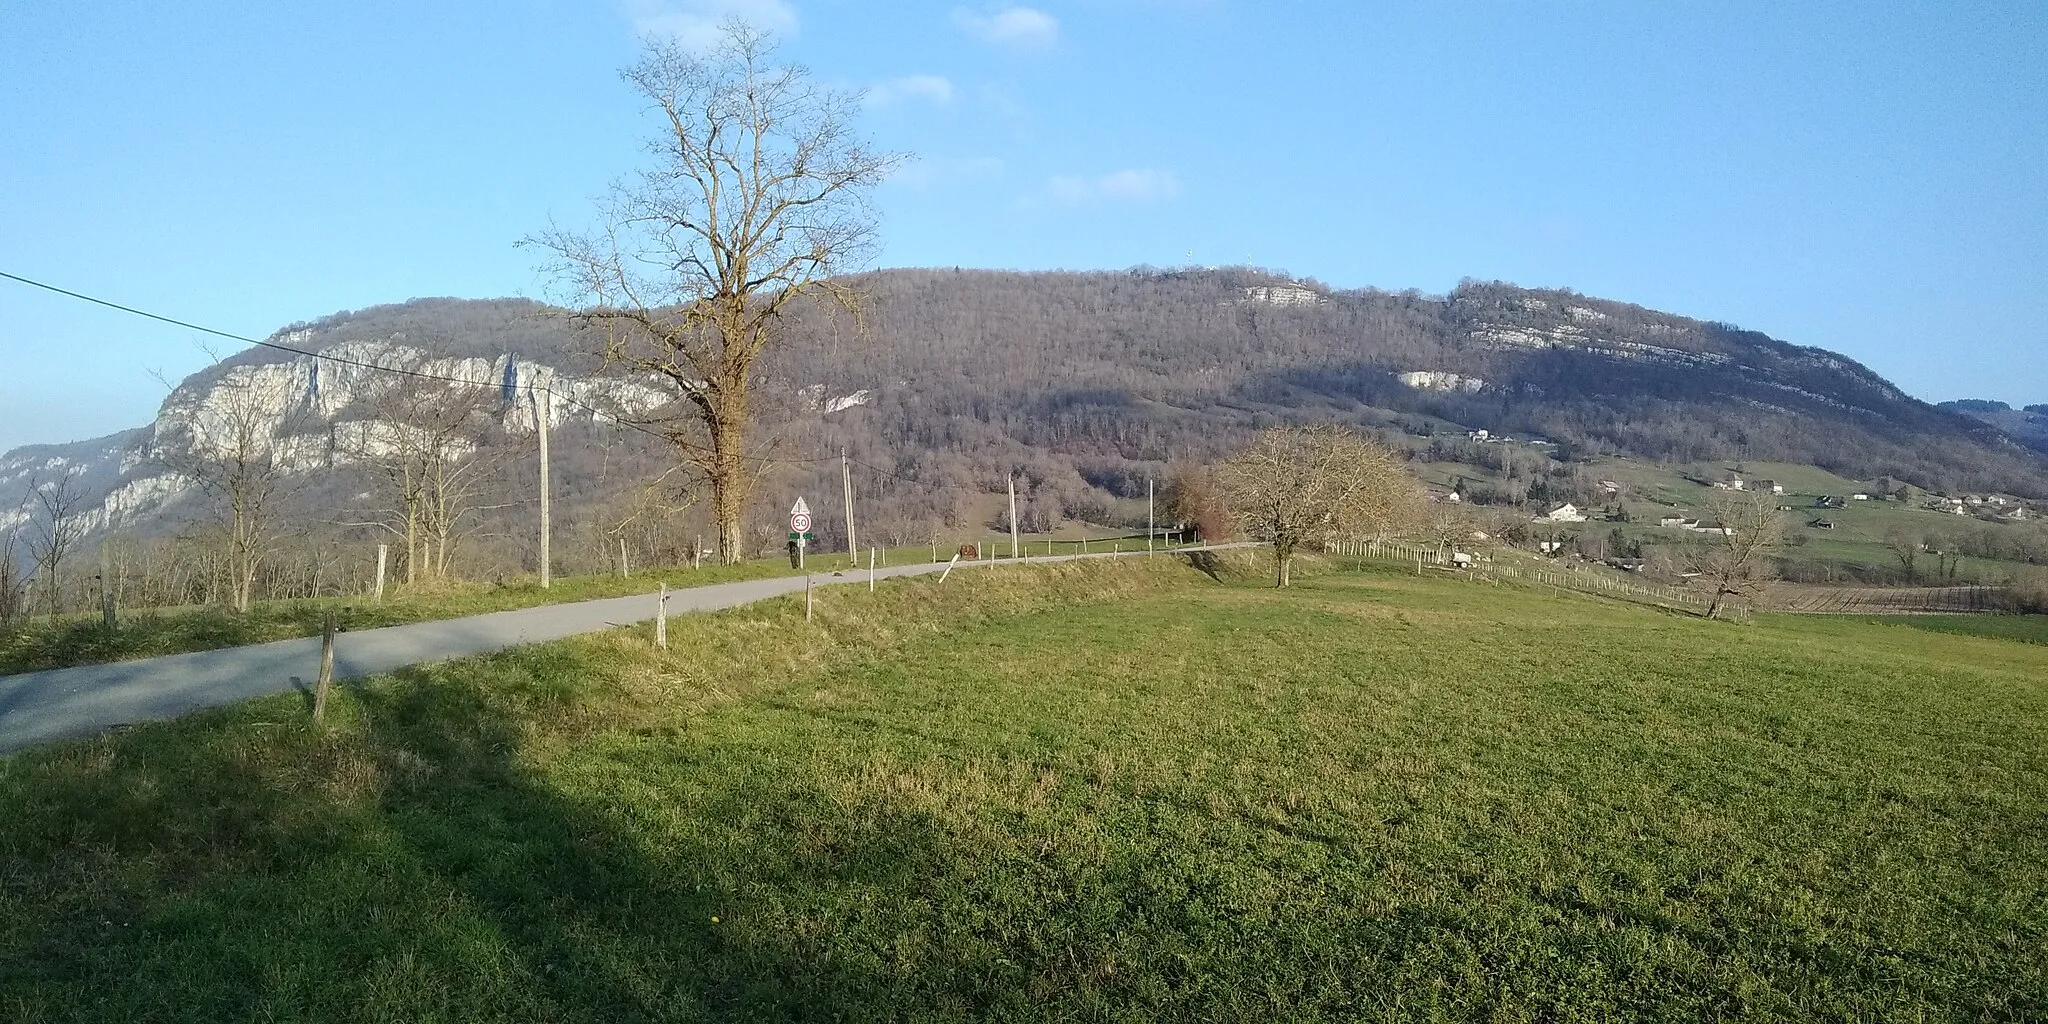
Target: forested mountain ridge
<point>1148,365</point>
<point>2027,425</point>
<point>1080,384</point>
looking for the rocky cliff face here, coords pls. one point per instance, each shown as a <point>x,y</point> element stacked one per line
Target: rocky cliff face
<point>310,415</point>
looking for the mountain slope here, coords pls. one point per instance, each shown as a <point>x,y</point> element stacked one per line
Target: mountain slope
<point>2028,426</point>
<point>1083,384</point>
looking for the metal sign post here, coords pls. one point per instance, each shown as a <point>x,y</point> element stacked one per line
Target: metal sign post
<point>800,528</point>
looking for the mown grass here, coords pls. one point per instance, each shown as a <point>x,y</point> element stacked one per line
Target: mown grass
<point>1074,793</point>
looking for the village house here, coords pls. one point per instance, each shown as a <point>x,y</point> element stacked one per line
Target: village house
<point>1709,526</point>
<point>1771,486</point>
<point>1677,521</point>
<point>1566,513</point>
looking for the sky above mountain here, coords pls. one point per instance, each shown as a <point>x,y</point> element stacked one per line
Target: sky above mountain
<point>1859,176</point>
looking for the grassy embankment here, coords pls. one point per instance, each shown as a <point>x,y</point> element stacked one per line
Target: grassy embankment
<point>81,639</point>
<point>1076,793</point>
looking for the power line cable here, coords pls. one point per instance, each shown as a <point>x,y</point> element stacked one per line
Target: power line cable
<point>615,417</point>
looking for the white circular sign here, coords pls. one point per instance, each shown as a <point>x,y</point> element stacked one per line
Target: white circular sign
<point>800,522</point>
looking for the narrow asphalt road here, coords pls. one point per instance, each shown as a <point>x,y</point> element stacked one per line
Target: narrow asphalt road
<point>64,703</point>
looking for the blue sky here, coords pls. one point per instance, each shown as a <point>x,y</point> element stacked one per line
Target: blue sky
<point>1867,177</point>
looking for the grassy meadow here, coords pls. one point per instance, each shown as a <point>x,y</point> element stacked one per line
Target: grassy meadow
<point>1087,792</point>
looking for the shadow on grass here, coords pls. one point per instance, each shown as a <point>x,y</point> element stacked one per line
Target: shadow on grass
<point>418,867</point>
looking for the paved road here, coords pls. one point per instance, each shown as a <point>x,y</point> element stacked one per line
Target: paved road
<point>41,707</point>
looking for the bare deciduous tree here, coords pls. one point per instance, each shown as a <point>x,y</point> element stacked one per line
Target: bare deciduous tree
<point>1293,485</point>
<point>1191,497</point>
<point>13,585</point>
<point>1906,544</point>
<point>1736,562</point>
<point>238,446</point>
<point>58,529</point>
<point>433,447</point>
<point>756,198</point>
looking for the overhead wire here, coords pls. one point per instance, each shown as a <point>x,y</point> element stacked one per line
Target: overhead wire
<point>614,416</point>
<point>422,374</point>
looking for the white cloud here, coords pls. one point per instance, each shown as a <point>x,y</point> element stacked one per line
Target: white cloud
<point>1130,186</point>
<point>695,23</point>
<point>1018,28</point>
<point>910,87</point>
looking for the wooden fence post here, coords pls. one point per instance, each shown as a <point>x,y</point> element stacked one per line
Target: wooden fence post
<point>661,619</point>
<point>326,680</point>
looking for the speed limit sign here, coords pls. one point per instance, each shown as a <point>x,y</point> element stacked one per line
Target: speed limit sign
<point>799,518</point>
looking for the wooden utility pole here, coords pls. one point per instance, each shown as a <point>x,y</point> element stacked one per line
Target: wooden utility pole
<point>1014,549</point>
<point>846,487</point>
<point>541,414</point>
<point>383,552</point>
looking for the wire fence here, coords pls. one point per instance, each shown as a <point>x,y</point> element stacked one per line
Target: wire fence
<point>1426,556</point>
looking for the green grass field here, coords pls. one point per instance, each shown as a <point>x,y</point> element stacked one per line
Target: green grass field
<point>1083,792</point>
<point>2026,628</point>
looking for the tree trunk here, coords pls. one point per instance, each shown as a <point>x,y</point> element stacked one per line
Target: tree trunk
<point>728,473</point>
<point>1283,559</point>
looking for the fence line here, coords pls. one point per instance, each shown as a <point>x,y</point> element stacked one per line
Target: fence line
<point>1424,555</point>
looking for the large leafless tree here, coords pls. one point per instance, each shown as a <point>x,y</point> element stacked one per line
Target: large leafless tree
<point>756,197</point>
<point>1737,560</point>
<point>1305,485</point>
